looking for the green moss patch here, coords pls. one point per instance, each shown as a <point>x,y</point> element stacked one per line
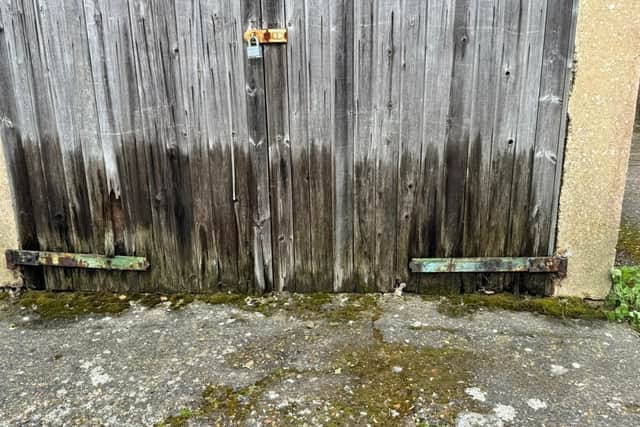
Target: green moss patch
<point>65,305</point>
<point>375,383</point>
<point>391,380</point>
<point>69,305</point>
<point>335,308</point>
<point>4,295</point>
<point>573,308</point>
<point>222,405</point>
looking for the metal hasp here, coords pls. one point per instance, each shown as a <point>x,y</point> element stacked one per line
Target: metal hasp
<point>267,36</point>
<point>554,264</point>
<point>16,258</point>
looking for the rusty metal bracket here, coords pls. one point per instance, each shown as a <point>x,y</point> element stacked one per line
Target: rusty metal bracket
<point>17,258</point>
<point>553,264</point>
<point>267,36</point>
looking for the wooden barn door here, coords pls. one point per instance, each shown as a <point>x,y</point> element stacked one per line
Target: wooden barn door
<point>384,130</point>
<point>412,128</point>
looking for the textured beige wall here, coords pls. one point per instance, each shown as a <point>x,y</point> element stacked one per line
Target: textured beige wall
<point>8,234</point>
<point>601,110</point>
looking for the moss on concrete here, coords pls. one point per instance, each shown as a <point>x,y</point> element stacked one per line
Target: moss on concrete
<point>384,385</point>
<point>65,305</point>
<point>69,305</point>
<point>335,308</point>
<point>629,243</point>
<point>223,405</point>
<point>573,308</point>
<point>390,380</point>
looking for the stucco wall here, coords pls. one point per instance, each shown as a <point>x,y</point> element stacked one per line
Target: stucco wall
<point>601,111</point>
<point>8,234</point>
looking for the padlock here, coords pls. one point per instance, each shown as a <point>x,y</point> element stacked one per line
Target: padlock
<point>254,51</point>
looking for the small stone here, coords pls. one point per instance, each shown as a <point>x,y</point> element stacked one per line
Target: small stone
<point>557,370</point>
<point>122,297</point>
<point>505,412</point>
<point>249,364</point>
<point>397,369</point>
<point>536,404</point>
<point>338,371</point>
<point>575,365</point>
<point>309,324</point>
<point>473,419</point>
<point>476,394</point>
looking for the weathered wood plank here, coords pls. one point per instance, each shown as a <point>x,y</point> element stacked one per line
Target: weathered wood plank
<point>531,52</point>
<point>483,111</point>
<point>567,49</point>
<point>320,150</point>
<point>297,80</point>
<point>17,166</point>
<point>413,98</point>
<point>455,158</point>
<point>508,75</point>
<point>548,140</point>
<point>280,166</point>
<point>41,142</point>
<point>342,50</point>
<point>427,220</point>
<point>259,203</point>
<point>364,145</point>
<point>387,117</point>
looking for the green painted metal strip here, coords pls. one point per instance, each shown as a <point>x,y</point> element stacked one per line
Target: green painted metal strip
<point>489,265</point>
<point>71,260</point>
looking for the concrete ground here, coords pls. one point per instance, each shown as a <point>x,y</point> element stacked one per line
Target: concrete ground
<point>390,360</point>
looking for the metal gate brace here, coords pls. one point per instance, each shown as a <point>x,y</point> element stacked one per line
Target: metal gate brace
<point>16,258</point>
<point>553,264</point>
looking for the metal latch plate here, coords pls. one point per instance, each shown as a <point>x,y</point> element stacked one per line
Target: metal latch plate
<point>267,36</point>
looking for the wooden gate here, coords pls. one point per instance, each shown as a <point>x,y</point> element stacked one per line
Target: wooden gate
<point>382,131</point>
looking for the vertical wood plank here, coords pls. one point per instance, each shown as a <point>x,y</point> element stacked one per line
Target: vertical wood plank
<point>42,140</point>
<point>342,51</point>
<point>280,166</point>
<point>413,57</point>
<point>483,111</point>
<point>259,202</point>
<point>455,161</point>
<point>17,166</point>
<point>364,144</point>
<point>532,52</point>
<point>387,117</point>
<point>508,78</point>
<point>297,81</point>
<point>427,222</point>
<point>320,149</point>
<point>548,144</point>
